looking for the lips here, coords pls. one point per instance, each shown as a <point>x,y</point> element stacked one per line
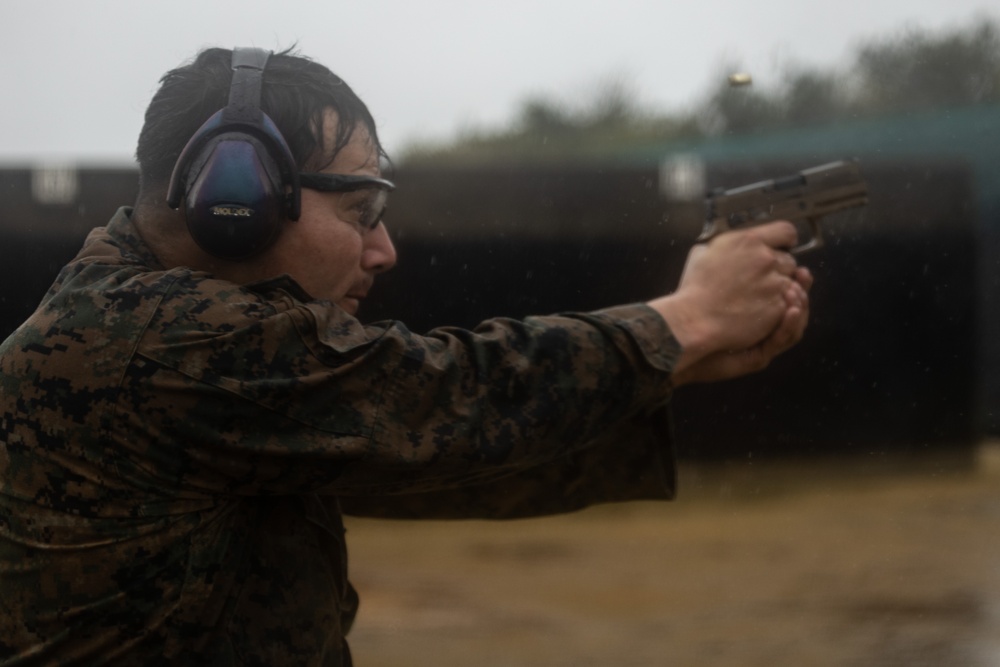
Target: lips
<point>359,292</point>
<point>356,296</point>
<point>352,300</point>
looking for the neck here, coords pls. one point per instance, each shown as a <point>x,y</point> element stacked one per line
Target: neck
<point>164,232</point>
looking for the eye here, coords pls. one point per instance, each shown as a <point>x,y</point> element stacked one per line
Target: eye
<point>358,208</point>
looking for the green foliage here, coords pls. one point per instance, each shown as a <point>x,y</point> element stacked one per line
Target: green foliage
<point>547,129</point>
<point>911,71</point>
<point>921,71</point>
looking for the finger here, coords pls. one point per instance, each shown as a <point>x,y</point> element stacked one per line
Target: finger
<point>788,333</point>
<point>804,277</point>
<point>796,296</point>
<point>785,263</point>
<point>780,234</point>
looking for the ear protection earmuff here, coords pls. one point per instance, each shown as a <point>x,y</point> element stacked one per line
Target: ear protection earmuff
<point>237,175</point>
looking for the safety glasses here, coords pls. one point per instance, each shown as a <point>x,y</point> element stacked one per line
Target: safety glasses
<point>363,199</point>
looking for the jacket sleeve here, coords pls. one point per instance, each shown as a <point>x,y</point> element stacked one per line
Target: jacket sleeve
<point>307,400</point>
<point>635,460</point>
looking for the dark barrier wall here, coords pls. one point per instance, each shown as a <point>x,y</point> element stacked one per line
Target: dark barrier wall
<point>889,361</point>
<point>44,217</point>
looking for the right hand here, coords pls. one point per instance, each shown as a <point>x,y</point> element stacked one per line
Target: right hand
<point>736,293</point>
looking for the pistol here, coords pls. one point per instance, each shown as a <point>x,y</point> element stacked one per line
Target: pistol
<point>806,196</point>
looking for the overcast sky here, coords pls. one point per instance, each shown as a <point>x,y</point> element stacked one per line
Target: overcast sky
<point>79,73</point>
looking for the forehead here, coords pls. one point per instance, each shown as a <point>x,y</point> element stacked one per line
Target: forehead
<point>357,156</point>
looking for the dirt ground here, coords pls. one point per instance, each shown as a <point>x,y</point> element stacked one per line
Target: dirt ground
<point>874,561</point>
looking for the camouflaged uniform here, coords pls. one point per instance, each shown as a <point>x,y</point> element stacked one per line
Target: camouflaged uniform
<point>177,451</point>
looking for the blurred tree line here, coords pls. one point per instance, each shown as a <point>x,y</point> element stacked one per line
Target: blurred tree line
<point>915,70</point>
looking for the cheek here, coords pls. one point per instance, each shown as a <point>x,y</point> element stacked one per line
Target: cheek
<point>325,250</point>
<point>341,247</point>
<point>330,262</point>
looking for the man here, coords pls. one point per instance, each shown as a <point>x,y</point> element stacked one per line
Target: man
<point>188,412</point>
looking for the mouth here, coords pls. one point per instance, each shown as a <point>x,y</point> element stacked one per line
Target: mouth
<point>357,293</point>
<point>352,301</point>
<point>357,296</point>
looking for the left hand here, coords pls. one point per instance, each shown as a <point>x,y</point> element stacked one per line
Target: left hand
<point>730,364</point>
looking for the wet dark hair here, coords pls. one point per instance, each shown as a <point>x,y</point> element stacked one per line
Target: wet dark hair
<point>296,93</point>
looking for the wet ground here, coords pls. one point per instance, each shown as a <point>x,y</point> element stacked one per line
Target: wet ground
<point>874,561</point>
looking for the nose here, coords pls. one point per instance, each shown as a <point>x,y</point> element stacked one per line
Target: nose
<point>379,254</point>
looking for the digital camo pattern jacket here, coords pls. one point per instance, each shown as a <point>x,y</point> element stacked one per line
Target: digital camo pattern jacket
<point>176,450</point>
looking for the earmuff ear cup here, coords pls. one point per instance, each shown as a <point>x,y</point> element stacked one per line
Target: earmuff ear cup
<point>237,176</point>
<point>235,198</point>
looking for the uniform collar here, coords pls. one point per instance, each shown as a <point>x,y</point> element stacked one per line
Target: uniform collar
<point>122,234</point>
